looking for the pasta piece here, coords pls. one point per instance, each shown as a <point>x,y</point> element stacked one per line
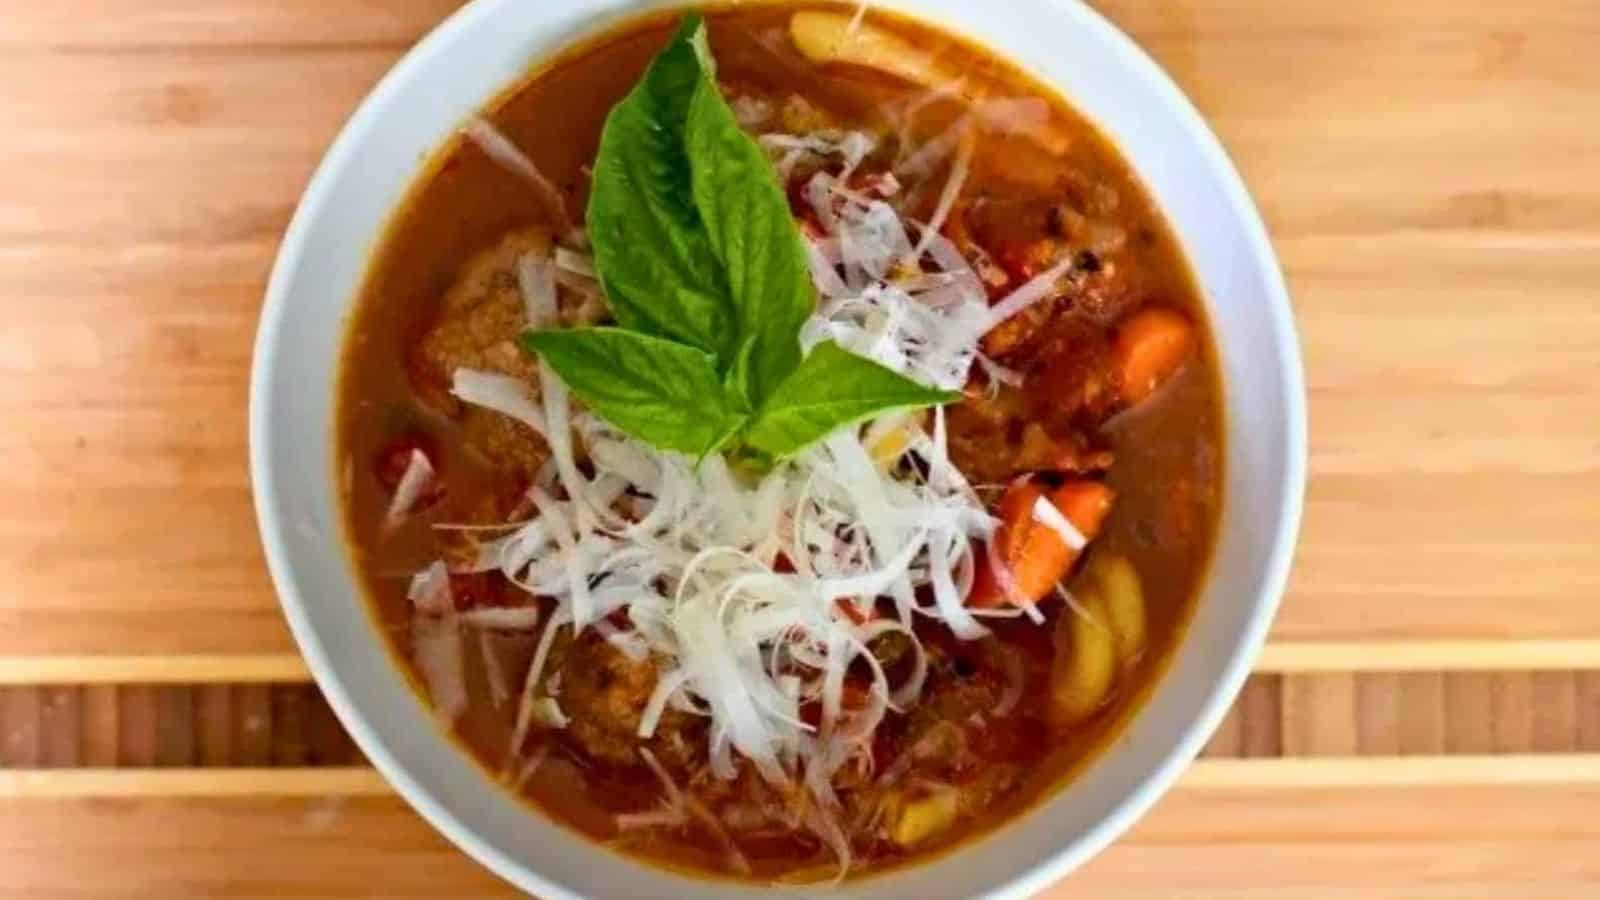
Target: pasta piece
<point>826,38</point>
<point>1124,606</point>
<point>1085,665</point>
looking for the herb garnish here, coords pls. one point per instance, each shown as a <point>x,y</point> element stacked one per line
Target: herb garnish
<point>703,267</point>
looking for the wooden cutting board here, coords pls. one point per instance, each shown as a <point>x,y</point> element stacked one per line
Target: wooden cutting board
<point>1428,174</point>
<point>1430,171</point>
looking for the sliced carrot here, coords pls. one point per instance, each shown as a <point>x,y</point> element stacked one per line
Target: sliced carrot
<point>1150,348</point>
<point>1034,553</point>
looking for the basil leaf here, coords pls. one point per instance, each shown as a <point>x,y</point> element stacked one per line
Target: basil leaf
<point>659,391</point>
<point>656,262</point>
<point>832,388</point>
<point>747,220</point>
<point>706,273</point>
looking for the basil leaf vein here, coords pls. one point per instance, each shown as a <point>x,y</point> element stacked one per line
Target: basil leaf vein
<point>748,222</point>
<point>832,388</point>
<point>656,262</point>
<point>660,391</point>
<point>705,271</point>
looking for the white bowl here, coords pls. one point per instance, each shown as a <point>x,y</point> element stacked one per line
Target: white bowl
<point>484,48</point>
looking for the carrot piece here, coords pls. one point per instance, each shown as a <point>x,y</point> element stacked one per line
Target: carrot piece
<point>1032,551</point>
<point>1085,504</point>
<point>1150,348</point>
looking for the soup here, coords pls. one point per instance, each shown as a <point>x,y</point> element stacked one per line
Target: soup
<point>782,447</point>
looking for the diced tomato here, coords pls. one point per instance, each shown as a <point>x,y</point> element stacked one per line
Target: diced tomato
<point>1034,553</point>
<point>854,695</point>
<point>393,460</point>
<point>852,612</point>
<point>472,590</point>
<point>809,226</point>
<point>1023,260</point>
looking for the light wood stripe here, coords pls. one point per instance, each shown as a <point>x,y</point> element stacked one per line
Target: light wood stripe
<point>198,669</point>
<point>1295,657</point>
<point>1396,771</point>
<point>355,781</point>
<point>1284,657</point>
<point>1204,774</point>
<point>1280,657</point>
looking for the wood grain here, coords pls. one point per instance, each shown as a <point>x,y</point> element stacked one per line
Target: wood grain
<point>60,726</point>
<point>1421,703</point>
<point>1296,716</point>
<point>1511,712</point>
<point>274,782</point>
<point>1289,843</point>
<point>123,25</point>
<point>1319,715</point>
<point>1588,711</point>
<point>233,668</point>
<point>177,737</point>
<point>254,848</point>
<point>1469,712</point>
<point>1529,769</point>
<point>1261,707</point>
<point>214,724</point>
<point>1414,238</point>
<point>1426,169</point>
<point>1555,712</point>
<point>19,719</point>
<point>252,725</point>
<point>1378,714</point>
<point>1240,843</point>
<point>100,725</point>
<point>1442,274</point>
<point>136,725</point>
<point>1279,657</point>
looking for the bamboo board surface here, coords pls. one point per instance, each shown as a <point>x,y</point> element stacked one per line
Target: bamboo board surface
<point>1368,716</point>
<point>1427,170</point>
<point>1444,275</point>
<point>1239,843</point>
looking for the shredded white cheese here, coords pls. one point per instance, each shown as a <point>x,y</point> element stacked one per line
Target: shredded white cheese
<point>1046,514</point>
<point>436,649</point>
<point>414,484</point>
<point>503,618</point>
<point>754,599</point>
<point>536,278</point>
<point>494,143</point>
<point>740,639</point>
<point>859,17</point>
<point>430,590</point>
<point>575,262</point>
<point>1042,287</point>
<point>501,393</point>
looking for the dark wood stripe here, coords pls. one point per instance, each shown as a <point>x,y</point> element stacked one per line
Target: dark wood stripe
<point>1321,714</point>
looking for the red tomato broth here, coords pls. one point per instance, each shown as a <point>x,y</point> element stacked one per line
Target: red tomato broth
<point>1168,452</point>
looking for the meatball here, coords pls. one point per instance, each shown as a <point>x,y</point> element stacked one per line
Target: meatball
<point>479,320</point>
<point>604,692</point>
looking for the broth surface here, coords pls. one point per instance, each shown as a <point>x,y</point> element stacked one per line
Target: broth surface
<point>1168,452</point>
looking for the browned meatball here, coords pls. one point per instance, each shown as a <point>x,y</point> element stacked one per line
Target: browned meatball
<point>479,320</point>
<point>603,693</point>
<point>1075,381</point>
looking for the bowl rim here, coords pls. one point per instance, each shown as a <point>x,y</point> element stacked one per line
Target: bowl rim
<point>1274,576</point>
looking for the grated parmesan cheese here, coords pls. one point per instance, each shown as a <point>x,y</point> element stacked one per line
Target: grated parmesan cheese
<point>738,589</point>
